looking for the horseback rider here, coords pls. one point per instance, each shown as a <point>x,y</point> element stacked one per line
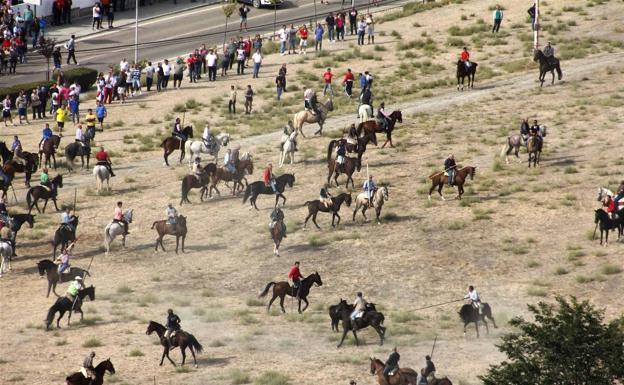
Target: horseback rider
<point>173,326</point>
<point>392,363</point>
<point>277,215</point>
<point>465,58</point>
<point>46,134</point>
<point>80,138</point>
<point>341,152</point>
<point>288,130</point>
<point>44,179</point>
<point>524,130</point>
<point>427,374</point>
<point>450,169</point>
<point>67,218</point>
<point>549,53</point>
<point>118,217</point>
<point>383,119</point>
<point>172,216</point>
<point>16,147</point>
<point>87,369</point>
<point>475,299</point>
<point>228,162</point>
<point>366,98</point>
<point>535,131</point>
<point>370,188</point>
<point>295,276</point>
<point>269,178</point>
<point>325,197</point>
<point>198,171</point>
<point>310,102</point>
<point>619,195</point>
<point>74,287</point>
<point>6,235</point>
<point>63,260</point>
<point>104,160</point>
<point>608,205</point>
<point>359,308</point>
<point>177,130</point>
<point>208,138</point>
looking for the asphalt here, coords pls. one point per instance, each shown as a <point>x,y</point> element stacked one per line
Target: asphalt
<point>186,31</point>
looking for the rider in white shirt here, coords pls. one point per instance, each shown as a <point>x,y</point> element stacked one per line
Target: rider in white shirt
<point>207,137</point>
<point>80,136</point>
<point>474,298</point>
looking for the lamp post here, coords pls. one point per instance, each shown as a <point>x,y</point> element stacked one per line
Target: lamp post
<point>136,32</point>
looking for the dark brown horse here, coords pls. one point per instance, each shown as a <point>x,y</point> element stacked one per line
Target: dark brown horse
<point>371,318</point>
<point>50,270</point>
<point>191,181</point>
<point>282,289</point>
<point>439,180</point>
<point>222,174</point>
<point>173,143</point>
<point>534,149</point>
<point>465,72</point>
<point>41,192</point>
<point>372,126</point>
<point>315,206</point>
<point>178,230</point>
<point>469,313</point>
<point>349,166</point>
<point>404,376</point>
<point>181,339</point>
<point>277,234</point>
<point>30,166</point>
<point>48,150</point>
<point>103,367</point>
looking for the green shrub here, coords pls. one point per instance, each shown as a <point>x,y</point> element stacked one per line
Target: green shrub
<point>610,269</point>
<point>272,377</point>
<point>239,377</point>
<point>92,343</point>
<point>84,76</point>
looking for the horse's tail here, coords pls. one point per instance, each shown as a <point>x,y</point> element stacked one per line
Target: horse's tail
<point>435,175</point>
<point>506,147</point>
<point>164,142</point>
<point>29,197</point>
<point>307,203</point>
<point>247,193</point>
<point>184,191</point>
<point>50,316</point>
<point>266,289</point>
<point>154,224</point>
<point>330,149</point>
<point>558,69</point>
<point>195,344</point>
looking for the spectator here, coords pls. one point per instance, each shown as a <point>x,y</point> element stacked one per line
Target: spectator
<point>498,18</point>
<point>56,57</point>
<point>292,39</point>
<point>21,102</point>
<point>248,99</point>
<point>532,13</point>
<point>149,75</point>
<point>74,109</point>
<point>303,36</point>
<point>57,11</point>
<point>283,71</point>
<point>135,77</point>
<point>361,31</point>
<point>110,16</point>
<point>61,117</point>
<point>178,72</point>
<point>42,92</point>
<point>35,103</point>
<point>29,18</point>
<point>225,61</point>
<point>353,13</point>
<point>247,49</point>
<point>243,11</point>
<point>327,77</point>
<point>166,71</point>
<point>283,36</point>
<point>211,62</point>
<point>100,114</point>
<point>71,49</point>
<point>97,17</point>
<point>35,30</point>
<point>67,5</point>
<point>190,62</point>
<point>330,22</point>
<point>160,77</point>
<point>232,101</point>
<point>240,60</point>
<point>340,27</point>
<point>318,36</point>
<point>348,82</point>
<point>6,111</point>
<point>370,26</point>
<point>232,50</point>
<point>42,26</point>
<point>257,62</point>
<point>363,84</point>
<point>280,84</point>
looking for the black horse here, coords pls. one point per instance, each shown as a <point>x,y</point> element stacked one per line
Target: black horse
<point>469,313</point>
<point>5,153</point>
<point>315,206</point>
<point>256,188</point>
<point>371,318</point>
<point>50,269</point>
<point>607,224</point>
<point>75,149</point>
<point>41,192</point>
<point>64,304</point>
<point>79,379</point>
<point>463,72</point>
<point>335,316</point>
<point>17,221</point>
<point>547,65</point>
<point>283,288</point>
<point>64,235</point>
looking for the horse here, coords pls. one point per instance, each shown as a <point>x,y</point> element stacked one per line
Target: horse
<point>365,113</point>
<point>79,379</point>
<point>403,376</point>
<point>180,338</point>
<point>173,143</point>
<point>256,188</point>
<point>360,147</point>
<point>75,149</point>
<point>308,117</point>
<point>439,180</point>
<point>547,65</point>
<point>349,166</point>
<point>277,234</point>
<point>178,230</point>
<point>603,192</point>
<point>282,289</point>
<point>64,235</point>
<point>5,153</point>
<point>361,201</point>
<point>48,150</point>
<point>534,149</point>
<point>602,219</point>
<point>42,192</point>
<point>50,269</point>
<point>334,314</point>
<point>288,149</point>
<point>191,181</point>
<point>12,166</point>
<point>101,174</point>
<point>197,147</point>
<point>245,165</point>
<point>315,206</point>
<point>463,72</point>
<point>113,229</point>
<point>17,221</point>
<point>10,173</point>
<point>64,304</point>
<point>373,126</point>
<point>514,142</point>
<point>371,318</point>
<point>469,313</point>
<point>6,252</point>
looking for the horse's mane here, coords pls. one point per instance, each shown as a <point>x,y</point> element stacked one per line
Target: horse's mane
<point>377,361</point>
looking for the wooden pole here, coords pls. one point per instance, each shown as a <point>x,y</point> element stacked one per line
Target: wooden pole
<point>536,26</point>
<point>433,348</point>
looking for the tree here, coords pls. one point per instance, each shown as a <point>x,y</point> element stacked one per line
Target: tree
<point>46,48</point>
<point>567,344</point>
<point>229,6</point>
<point>274,3</point>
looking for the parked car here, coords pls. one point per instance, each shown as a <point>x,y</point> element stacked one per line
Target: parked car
<point>262,3</point>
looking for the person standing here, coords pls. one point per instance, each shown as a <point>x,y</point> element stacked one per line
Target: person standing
<point>498,18</point>
<point>35,30</point>
<point>149,75</point>
<point>211,63</point>
<point>56,58</point>
<point>28,20</point>
<point>248,99</point>
<point>348,82</point>
<point>353,13</point>
<point>61,117</point>
<point>96,11</point>
<point>292,39</point>
<point>243,11</point>
<point>21,102</point>
<point>110,16</point>
<point>318,37</point>
<point>303,43</point>
<point>361,31</point>
<point>280,84</point>
<point>283,71</point>
<point>532,12</point>
<point>330,21</point>
<point>35,103</point>
<point>67,6</point>
<point>240,60</point>
<point>71,49</point>
<point>257,62</point>
<point>74,109</point>
<point>101,113</point>
<point>370,27</point>
<point>232,101</point>
<point>340,26</point>
<point>327,77</point>
<point>166,71</point>
<point>159,77</point>
<point>283,36</point>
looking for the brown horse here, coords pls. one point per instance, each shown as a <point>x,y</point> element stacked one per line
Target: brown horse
<point>283,288</point>
<point>178,230</point>
<point>372,126</point>
<point>173,143</point>
<point>349,166</point>
<point>277,234</point>
<point>534,149</point>
<point>404,376</point>
<point>180,338</point>
<point>222,174</point>
<point>103,367</point>
<point>30,166</point>
<point>315,206</point>
<point>439,180</point>
<point>48,150</point>
<point>41,192</point>
<point>191,181</point>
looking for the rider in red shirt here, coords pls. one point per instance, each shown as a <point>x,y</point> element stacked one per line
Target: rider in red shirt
<point>104,160</point>
<point>269,178</point>
<point>609,205</point>
<point>295,275</point>
<point>465,57</point>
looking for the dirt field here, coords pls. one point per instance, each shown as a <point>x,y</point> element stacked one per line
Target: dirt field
<point>519,235</point>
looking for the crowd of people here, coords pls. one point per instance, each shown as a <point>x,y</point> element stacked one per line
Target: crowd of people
<point>15,30</point>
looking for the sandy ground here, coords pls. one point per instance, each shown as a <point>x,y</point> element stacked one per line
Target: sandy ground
<point>519,235</point>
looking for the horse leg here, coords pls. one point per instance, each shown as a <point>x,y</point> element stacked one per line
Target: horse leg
<point>487,329</point>
<point>183,350</point>
<point>440,191</point>
<point>271,303</point>
<point>282,297</point>
<point>314,220</point>
<point>306,304</point>
<point>477,325</point>
<point>276,200</point>
<point>45,204</point>
<point>193,353</point>
<point>357,342</point>
<point>58,321</point>
<point>162,246</point>
<point>344,334</point>
<point>364,208</point>
<point>283,197</point>
<point>177,243</point>
<point>553,77</point>
<point>36,204</point>
<point>55,205</point>
<point>380,333</point>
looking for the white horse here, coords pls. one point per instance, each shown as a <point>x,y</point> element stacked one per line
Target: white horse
<point>288,148</point>
<point>114,229</point>
<point>197,147</point>
<point>101,174</point>
<point>6,251</point>
<point>365,112</point>
<point>381,195</point>
<point>603,192</point>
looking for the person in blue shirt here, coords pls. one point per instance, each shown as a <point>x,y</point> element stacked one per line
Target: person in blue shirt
<point>74,106</point>
<point>100,113</point>
<point>45,135</point>
<point>369,188</point>
<point>318,37</point>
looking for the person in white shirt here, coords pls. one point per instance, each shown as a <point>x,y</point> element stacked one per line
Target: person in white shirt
<point>211,63</point>
<point>149,75</point>
<point>124,65</point>
<point>166,73</point>
<point>283,36</point>
<point>80,139</point>
<point>228,162</point>
<point>474,298</point>
<point>257,62</point>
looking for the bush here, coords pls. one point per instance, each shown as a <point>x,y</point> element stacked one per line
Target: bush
<point>84,76</point>
<point>272,378</point>
<point>13,91</point>
<point>92,343</point>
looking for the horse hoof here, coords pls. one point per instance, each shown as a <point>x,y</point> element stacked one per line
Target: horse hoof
<point>196,366</point>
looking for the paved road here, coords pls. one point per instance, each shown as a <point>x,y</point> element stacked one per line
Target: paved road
<point>204,25</point>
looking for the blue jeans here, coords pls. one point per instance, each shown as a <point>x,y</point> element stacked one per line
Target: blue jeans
<point>280,90</point>
<point>282,46</point>
<point>256,69</point>
<point>330,33</point>
<point>451,177</point>
<point>328,87</point>
<point>274,186</point>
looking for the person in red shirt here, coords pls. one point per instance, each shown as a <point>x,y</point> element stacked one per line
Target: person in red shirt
<point>609,205</point>
<point>465,57</point>
<point>247,50</point>
<point>327,76</point>
<point>269,178</point>
<point>190,63</point>
<point>104,160</point>
<point>303,36</point>
<point>295,276</point>
<point>348,82</point>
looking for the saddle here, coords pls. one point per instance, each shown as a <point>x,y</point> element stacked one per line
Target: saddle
<point>46,187</point>
<point>394,372</point>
